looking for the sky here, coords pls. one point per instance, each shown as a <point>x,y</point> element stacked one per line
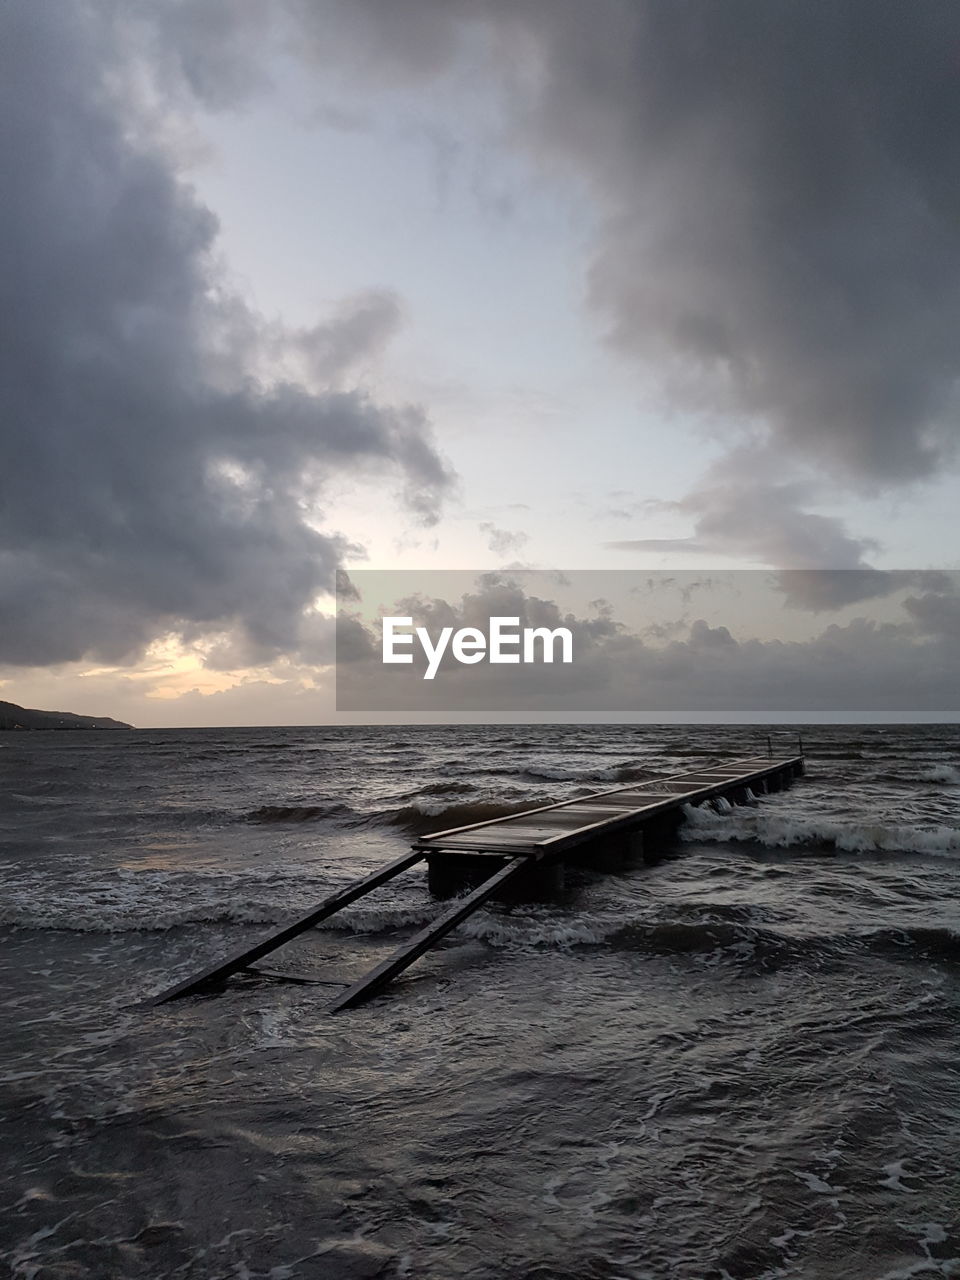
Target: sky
<point>429,285</point>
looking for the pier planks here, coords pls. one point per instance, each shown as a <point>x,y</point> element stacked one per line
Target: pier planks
<point>554,828</point>
<point>537,835</point>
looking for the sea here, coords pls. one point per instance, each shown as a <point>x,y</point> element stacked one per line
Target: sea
<point>737,1061</point>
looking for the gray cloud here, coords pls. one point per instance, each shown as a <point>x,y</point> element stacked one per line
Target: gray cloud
<point>780,240</point>
<point>783,232</point>
<point>936,613</point>
<point>747,514</point>
<point>502,595</point>
<point>326,354</point>
<point>910,666</point>
<point>742,508</point>
<point>503,541</point>
<point>778,179</point>
<point>155,476</point>
<point>823,590</point>
<point>780,183</point>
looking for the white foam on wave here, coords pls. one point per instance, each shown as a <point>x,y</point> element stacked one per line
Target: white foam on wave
<point>928,1265</point>
<point>945,773</point>
<point>565,773</point>
<point>489,926</point>
<point>623,771</point>
<point>430,806</point>
<point>380,919</point>
<point>783,831</point>
<point>131,918</point>
<point>896,1172</point>
<point>815,1182</point>
<point>507,933</point>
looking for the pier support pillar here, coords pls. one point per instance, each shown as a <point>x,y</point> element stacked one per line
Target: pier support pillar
<point>450,874</point>
<point>660,834</point>
<point>611,853</point>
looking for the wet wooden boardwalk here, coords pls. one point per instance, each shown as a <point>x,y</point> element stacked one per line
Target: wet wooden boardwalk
<point>555,828</point>
<point>526,844</point>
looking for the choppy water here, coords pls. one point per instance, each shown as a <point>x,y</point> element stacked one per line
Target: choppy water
<point>741,1062</point>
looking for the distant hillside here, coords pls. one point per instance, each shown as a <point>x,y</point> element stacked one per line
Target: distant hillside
<point>14,717</point>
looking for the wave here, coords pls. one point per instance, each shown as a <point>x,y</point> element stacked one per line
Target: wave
<point>106,820</point>
<point>945,773</point>
<point>430,808</point>
<point>822,754</point>
<point>772,948</point>
<point>446,788</point>
<point>439,789</point>
<point>909,776</point>
<point>136,917</point>
<point>683,937</point>
<point>932,942</point>
<point>385,918</point>
<point>625,772</point>
<point>153,900</point>
<point>739,933</point>
<point>734,940</point>
<point>775,831</point>
<point>425,815</point>
<point>48,791</point>
<point>299,812</point>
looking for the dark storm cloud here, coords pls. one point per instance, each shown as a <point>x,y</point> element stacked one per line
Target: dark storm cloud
<point>778,180</point>
<point>785,228</point>
<point>781,187</point>
<point>152,478</point>
<point>936,613</point>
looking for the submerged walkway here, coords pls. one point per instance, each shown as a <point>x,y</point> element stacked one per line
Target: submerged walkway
<point>554,828</point>
<point>523,845</point>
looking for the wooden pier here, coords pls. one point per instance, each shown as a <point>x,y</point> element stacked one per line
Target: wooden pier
<point>526,850</point>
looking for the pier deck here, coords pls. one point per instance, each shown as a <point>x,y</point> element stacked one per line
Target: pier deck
<point>526,844</point>
<point>555,828</point>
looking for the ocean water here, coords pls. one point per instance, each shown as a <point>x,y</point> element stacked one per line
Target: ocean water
<point>739,1062</point>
